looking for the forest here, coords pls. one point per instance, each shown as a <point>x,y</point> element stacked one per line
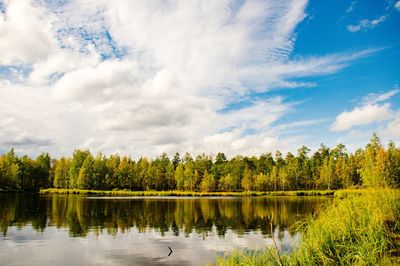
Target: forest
<point>326,168</point>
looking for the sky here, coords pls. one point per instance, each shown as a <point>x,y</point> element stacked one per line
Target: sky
<point>141,78</point>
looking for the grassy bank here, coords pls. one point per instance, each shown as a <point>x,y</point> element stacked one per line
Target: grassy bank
<point>362,229</point>
<point>351,192</point>
<point>186,193</point>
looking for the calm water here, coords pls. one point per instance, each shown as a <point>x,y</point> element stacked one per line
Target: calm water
<point>78,230</point>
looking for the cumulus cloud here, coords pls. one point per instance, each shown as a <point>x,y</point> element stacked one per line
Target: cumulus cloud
<point>143,78</point>
<point>26,34</point>
<point>362,115</point>
<point>366,24</point>
<point>99,83</point>
<point>370,111</point>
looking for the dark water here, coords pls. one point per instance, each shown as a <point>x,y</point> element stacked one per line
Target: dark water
<point>78,230</point>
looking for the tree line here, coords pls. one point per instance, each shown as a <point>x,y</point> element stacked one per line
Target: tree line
<point>327,168</point>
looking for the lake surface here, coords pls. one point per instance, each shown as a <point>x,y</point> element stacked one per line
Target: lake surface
<point>79,230</point>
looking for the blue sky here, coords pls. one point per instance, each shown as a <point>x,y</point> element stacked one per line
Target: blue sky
<point>325,31</point>
<point>242,77</point>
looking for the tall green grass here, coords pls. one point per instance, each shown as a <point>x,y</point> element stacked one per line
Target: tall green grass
<point>363,229</point>
<point>350,192</point>
<point>186,193</point>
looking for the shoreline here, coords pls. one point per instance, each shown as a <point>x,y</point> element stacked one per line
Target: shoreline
<point>299,193</point>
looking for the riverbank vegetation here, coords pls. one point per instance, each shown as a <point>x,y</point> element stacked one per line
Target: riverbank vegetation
<point>362,229</point>
<point>187,193</point>
<point>325,169</point>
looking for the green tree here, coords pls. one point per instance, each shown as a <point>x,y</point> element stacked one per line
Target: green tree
<point>99,172</point>
<point>227,183</point>
<point>190,182</point>
<point>84,180</point>
<point>342,172</point>
<point>123,173</point>
<point>328,173</point>
<point>247,180</point>
<point>176,160</point>
<point>78,157</point>
<point>208,183</point>
<point>371,172</point>
<point>142,170</point>
<point>274,177</point>
<point>292,171</point>
<point>393,167</point>
<point>43,164</point>
<point>179,176</point>
<point>9,170</point>
<point>261,182</point>
<point>61,173</point>
<point>219,166</point>
<point>27,173</point>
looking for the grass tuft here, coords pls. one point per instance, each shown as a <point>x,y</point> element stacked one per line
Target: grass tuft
<point>361,229</point>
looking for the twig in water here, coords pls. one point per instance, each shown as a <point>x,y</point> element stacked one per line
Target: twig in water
<point>273,240</point>
<point>170,251</point>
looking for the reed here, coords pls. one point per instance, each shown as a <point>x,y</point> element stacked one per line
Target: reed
<point>361,229</point>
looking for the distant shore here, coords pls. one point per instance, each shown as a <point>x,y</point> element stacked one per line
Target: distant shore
<point>187,193</point>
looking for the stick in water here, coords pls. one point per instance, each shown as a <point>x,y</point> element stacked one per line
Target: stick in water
<point>273,240</point>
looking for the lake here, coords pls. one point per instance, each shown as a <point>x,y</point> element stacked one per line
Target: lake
<point>83,230</point>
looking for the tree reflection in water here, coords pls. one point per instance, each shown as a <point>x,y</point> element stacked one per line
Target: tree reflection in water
<point>81,215</point>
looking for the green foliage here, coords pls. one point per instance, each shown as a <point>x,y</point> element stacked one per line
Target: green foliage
<point>360,230</point>
<point>9,171</point>
<point>78,157</point>
<point>117,192</point>
<point>375,166</point>
<point>247,180</point>
<point>189,176</point>
<point>61,173</point>
<point>43,165</point>
<point>179,177</point>
<point>84,180</point>
<point>208,183</point>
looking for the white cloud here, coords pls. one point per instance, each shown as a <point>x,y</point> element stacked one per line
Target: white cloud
<point>372,109</point>
<point>392,129</point>
<point>362,115</point>
<point>26,34</point>
<point>397,5</point>
<point>351,7</point>
<point>374,113</point>
<point>146,77</point>
<point>366,24</point>
<point>374,98</point>
<point>109,79</point>
<point>300,124</point>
